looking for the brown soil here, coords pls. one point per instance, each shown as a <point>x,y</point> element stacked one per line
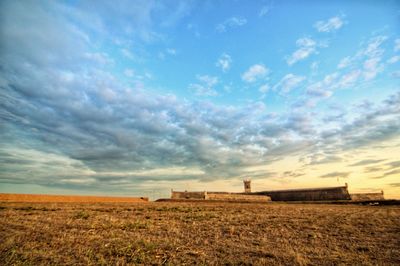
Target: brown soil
<point>179,233</point>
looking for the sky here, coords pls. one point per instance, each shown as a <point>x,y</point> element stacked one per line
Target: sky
<point>141,97</point>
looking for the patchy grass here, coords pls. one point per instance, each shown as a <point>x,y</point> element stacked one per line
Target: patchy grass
<point>198,233</point>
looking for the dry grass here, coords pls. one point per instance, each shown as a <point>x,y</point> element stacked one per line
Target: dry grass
<point>8,197</point>
<point>198,233</point>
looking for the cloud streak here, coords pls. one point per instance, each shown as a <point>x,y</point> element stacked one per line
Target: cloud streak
<point>329,25</point>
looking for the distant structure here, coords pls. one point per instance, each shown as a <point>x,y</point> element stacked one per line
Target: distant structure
<point>247,185</point>
<point>308,194</point>
<point>367,196</point>
<point>339,193</point>
<point>218,196</point>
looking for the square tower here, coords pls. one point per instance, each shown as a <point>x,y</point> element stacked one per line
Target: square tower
<point>247,185</point>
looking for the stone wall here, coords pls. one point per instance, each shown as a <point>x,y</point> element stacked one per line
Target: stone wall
<point>367,196</point>
<point>188,195</point>
<point>312,194</point>
<point>236,197</point>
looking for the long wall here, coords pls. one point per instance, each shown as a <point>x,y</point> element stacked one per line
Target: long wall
<point>223,196</point>
<point>235,196</point>
<point>188,195</point>
<point>313,194</point>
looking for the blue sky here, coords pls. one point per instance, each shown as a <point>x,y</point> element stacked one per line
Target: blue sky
<point>137,97</point>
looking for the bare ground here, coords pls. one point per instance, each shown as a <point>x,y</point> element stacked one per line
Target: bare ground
<point>198,233</point>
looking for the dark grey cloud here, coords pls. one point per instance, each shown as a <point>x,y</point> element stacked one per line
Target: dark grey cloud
<point>336,174</point>
<point>371,169</point>
<point>366,162</point>
<point>393,172</point>
<point>394,164</point>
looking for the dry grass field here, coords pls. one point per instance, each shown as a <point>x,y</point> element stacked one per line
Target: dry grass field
<point>198,233</point>
<point>8,197</point>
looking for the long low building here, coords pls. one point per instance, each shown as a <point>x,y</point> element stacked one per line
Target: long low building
<point>308,194</point>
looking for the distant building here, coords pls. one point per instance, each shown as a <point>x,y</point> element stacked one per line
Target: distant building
<point>303,194</point>
<point>308,194</point>
<point>247,185</point>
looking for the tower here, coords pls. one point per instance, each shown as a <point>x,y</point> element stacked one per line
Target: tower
<point>247,185</point>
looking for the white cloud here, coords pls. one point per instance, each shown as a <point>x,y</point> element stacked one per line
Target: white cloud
<point>161,55</point>
<point>306,46</point>
<point>264,88</point>
<point>314,66</point>
<point>99,58</point>
<point>394,59</point>
<point>288,82</point>
<point>231,23</point>
<point>372,68</point>
<point>224,62</point>
<point>329,25</point>
<point>128,54</point>
<point>322,89</point>
<point>205,86</point>
<point>373,49</point>
<point>254,73</point>
<point>129,72</point>
<point>263,11</point>
<point>397,45</point>
<point>345,62</point>
<point>171,51</point>
<point>349,79</point>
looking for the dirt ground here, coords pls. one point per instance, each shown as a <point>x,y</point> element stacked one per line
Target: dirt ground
<point>198,233</point>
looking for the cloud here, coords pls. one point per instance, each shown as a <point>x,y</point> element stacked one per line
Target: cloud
<point>69,121</point>
<point>224,62</point>
<point>345,62</point>
<point>394,164</point>
<point>319,158</point>
<point>395,74</point>
<point>349,79</point>
<point>128,54</point>
<point>323,88</point>
<point>329,25</point>
<point>394,59</point>
<point>366,162</point>
<point>366,62</point>
<point>372,68</point>
<point>232,22</point>
<point>288,82</point>
<point>168,51</point>
<point>394,184</point>
<point>372,169</point>
<point>205,87</point>
<point>336,175</point>
<point>396,45</point>
<point>264,88</point>
<point>129,72</point>
<point>171,51</point>
<point>263,11</point>
<point>254,73</point>
<point>373,48</point>
<point>306,48</point>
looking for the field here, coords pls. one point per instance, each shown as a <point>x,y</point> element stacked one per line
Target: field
<point>198,233</point>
